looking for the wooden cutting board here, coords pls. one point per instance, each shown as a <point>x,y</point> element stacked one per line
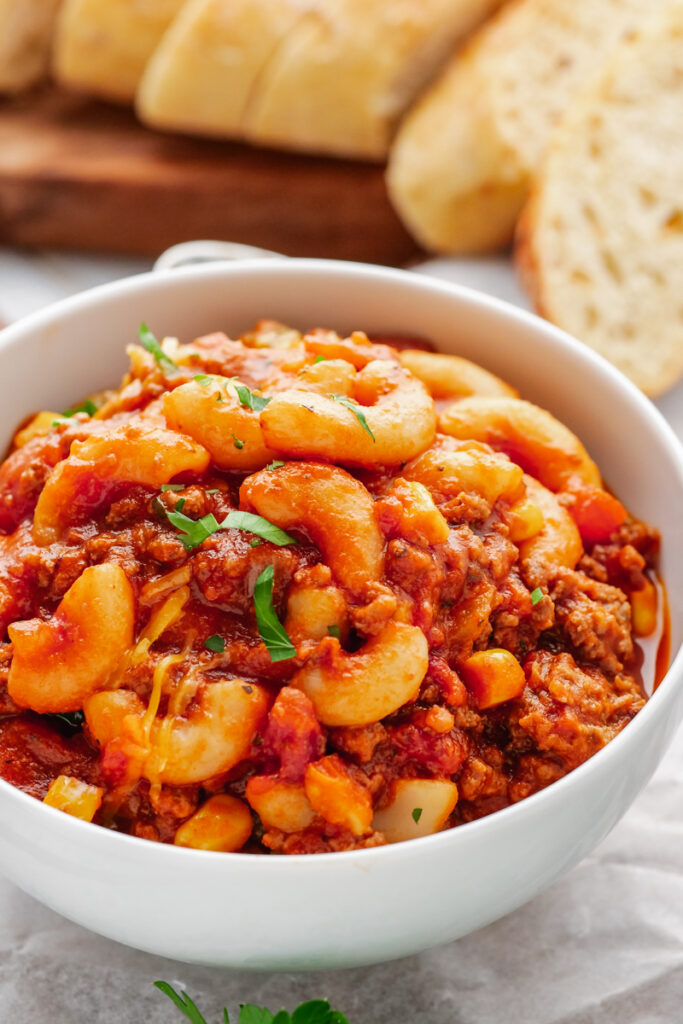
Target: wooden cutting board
<point>79,174</point>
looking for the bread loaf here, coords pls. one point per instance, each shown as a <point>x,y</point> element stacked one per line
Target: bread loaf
<point>461,165</point>
<point>203,74</point>
<point>326,76</point>
<point>340,81</point>
<point>102,46</point>
<point>26,28</point>
<point>600,244</point>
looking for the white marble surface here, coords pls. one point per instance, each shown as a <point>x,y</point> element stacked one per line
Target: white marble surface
<point>603,945</point>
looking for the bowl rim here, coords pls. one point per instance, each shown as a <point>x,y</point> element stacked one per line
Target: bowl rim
<point>294,267</point>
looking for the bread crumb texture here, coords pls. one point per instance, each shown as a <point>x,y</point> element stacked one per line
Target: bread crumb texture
<point>600,245</point>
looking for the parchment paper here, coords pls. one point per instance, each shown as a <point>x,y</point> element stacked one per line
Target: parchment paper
<point>602,946</point>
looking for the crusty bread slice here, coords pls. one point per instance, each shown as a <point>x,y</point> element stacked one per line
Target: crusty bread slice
<point>203,73</point>
<point>600,244</point>
<point>462,160</point>
<point>26,28</point>
<point>102,46</point>
<point>344,76</point>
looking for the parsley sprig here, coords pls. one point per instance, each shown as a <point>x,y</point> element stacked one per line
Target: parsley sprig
<point>315,1011</point>
<point>271,630</point>
<point>257,524</point>
<point>536,595</point>
<point>353,407</point>
<point>149,342</point>
<point>195,531</point>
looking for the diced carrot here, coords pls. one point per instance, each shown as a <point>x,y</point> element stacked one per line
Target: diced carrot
<point>493,676</point>
<point>596,513</point>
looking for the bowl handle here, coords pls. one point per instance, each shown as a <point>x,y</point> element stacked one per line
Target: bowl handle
<point>207,251</point>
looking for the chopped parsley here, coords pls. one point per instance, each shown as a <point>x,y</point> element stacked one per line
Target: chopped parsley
<point>319,359</point>
<point>86,406</point>
<point>149,342</point>
<point>271,630</point>
<point>258,525</point>
<point>193,531</point>
<point>215,643</point>
<point>275,464</point>
<point>251,401</point>
<point>315,1011</point>
<point>172,487</point>
<point>536,595</point>
<point>353,407</point>
<point>237,443</point>
<point>416,814</point>
<point>204,378</point>
<point>334,631</point>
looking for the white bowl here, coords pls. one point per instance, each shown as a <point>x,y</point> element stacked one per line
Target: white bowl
<point>358,907</point>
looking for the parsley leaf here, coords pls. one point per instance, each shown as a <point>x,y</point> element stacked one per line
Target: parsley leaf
<point>173,487</point>
<point>237,443</point>
<point>356,410</point>
<point>193,531</point>
<point>316,1011</point>
<point>215,643</point>
<point>536,595</point>
<point>182,1001</point>
<point>334,631</point>
<point>271,630</point>
<point>148,341</point>
<point>258,525</point>
<point>247,398</point>
<point>416,814</point>
<point>204,378</point>
<point>275,464</point>
<point>254,1015</point>
<point>86,406</point>
<point>319,359</point>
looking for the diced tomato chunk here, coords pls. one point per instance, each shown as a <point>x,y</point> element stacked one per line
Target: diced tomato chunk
<point>293,734</point>
<point>597,514</point>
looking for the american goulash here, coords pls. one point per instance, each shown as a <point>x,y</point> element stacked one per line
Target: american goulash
<point>305,593</point>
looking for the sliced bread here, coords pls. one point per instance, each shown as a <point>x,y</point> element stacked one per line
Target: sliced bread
<point>26,28</point>
<point>461,164</point>
<point>600,244</point>
<point>102,46</point>
<point>341,80</point>
<point>204,71</point>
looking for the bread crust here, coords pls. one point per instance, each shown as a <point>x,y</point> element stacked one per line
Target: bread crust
<point>463,159</point>
<point>102,47</point>
<point>26,28</point>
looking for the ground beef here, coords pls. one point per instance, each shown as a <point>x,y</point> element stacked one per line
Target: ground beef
<point>570,711</point>
<point>594,617</point>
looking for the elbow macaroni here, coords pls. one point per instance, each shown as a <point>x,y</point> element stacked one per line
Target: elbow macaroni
<point>313,673</point>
